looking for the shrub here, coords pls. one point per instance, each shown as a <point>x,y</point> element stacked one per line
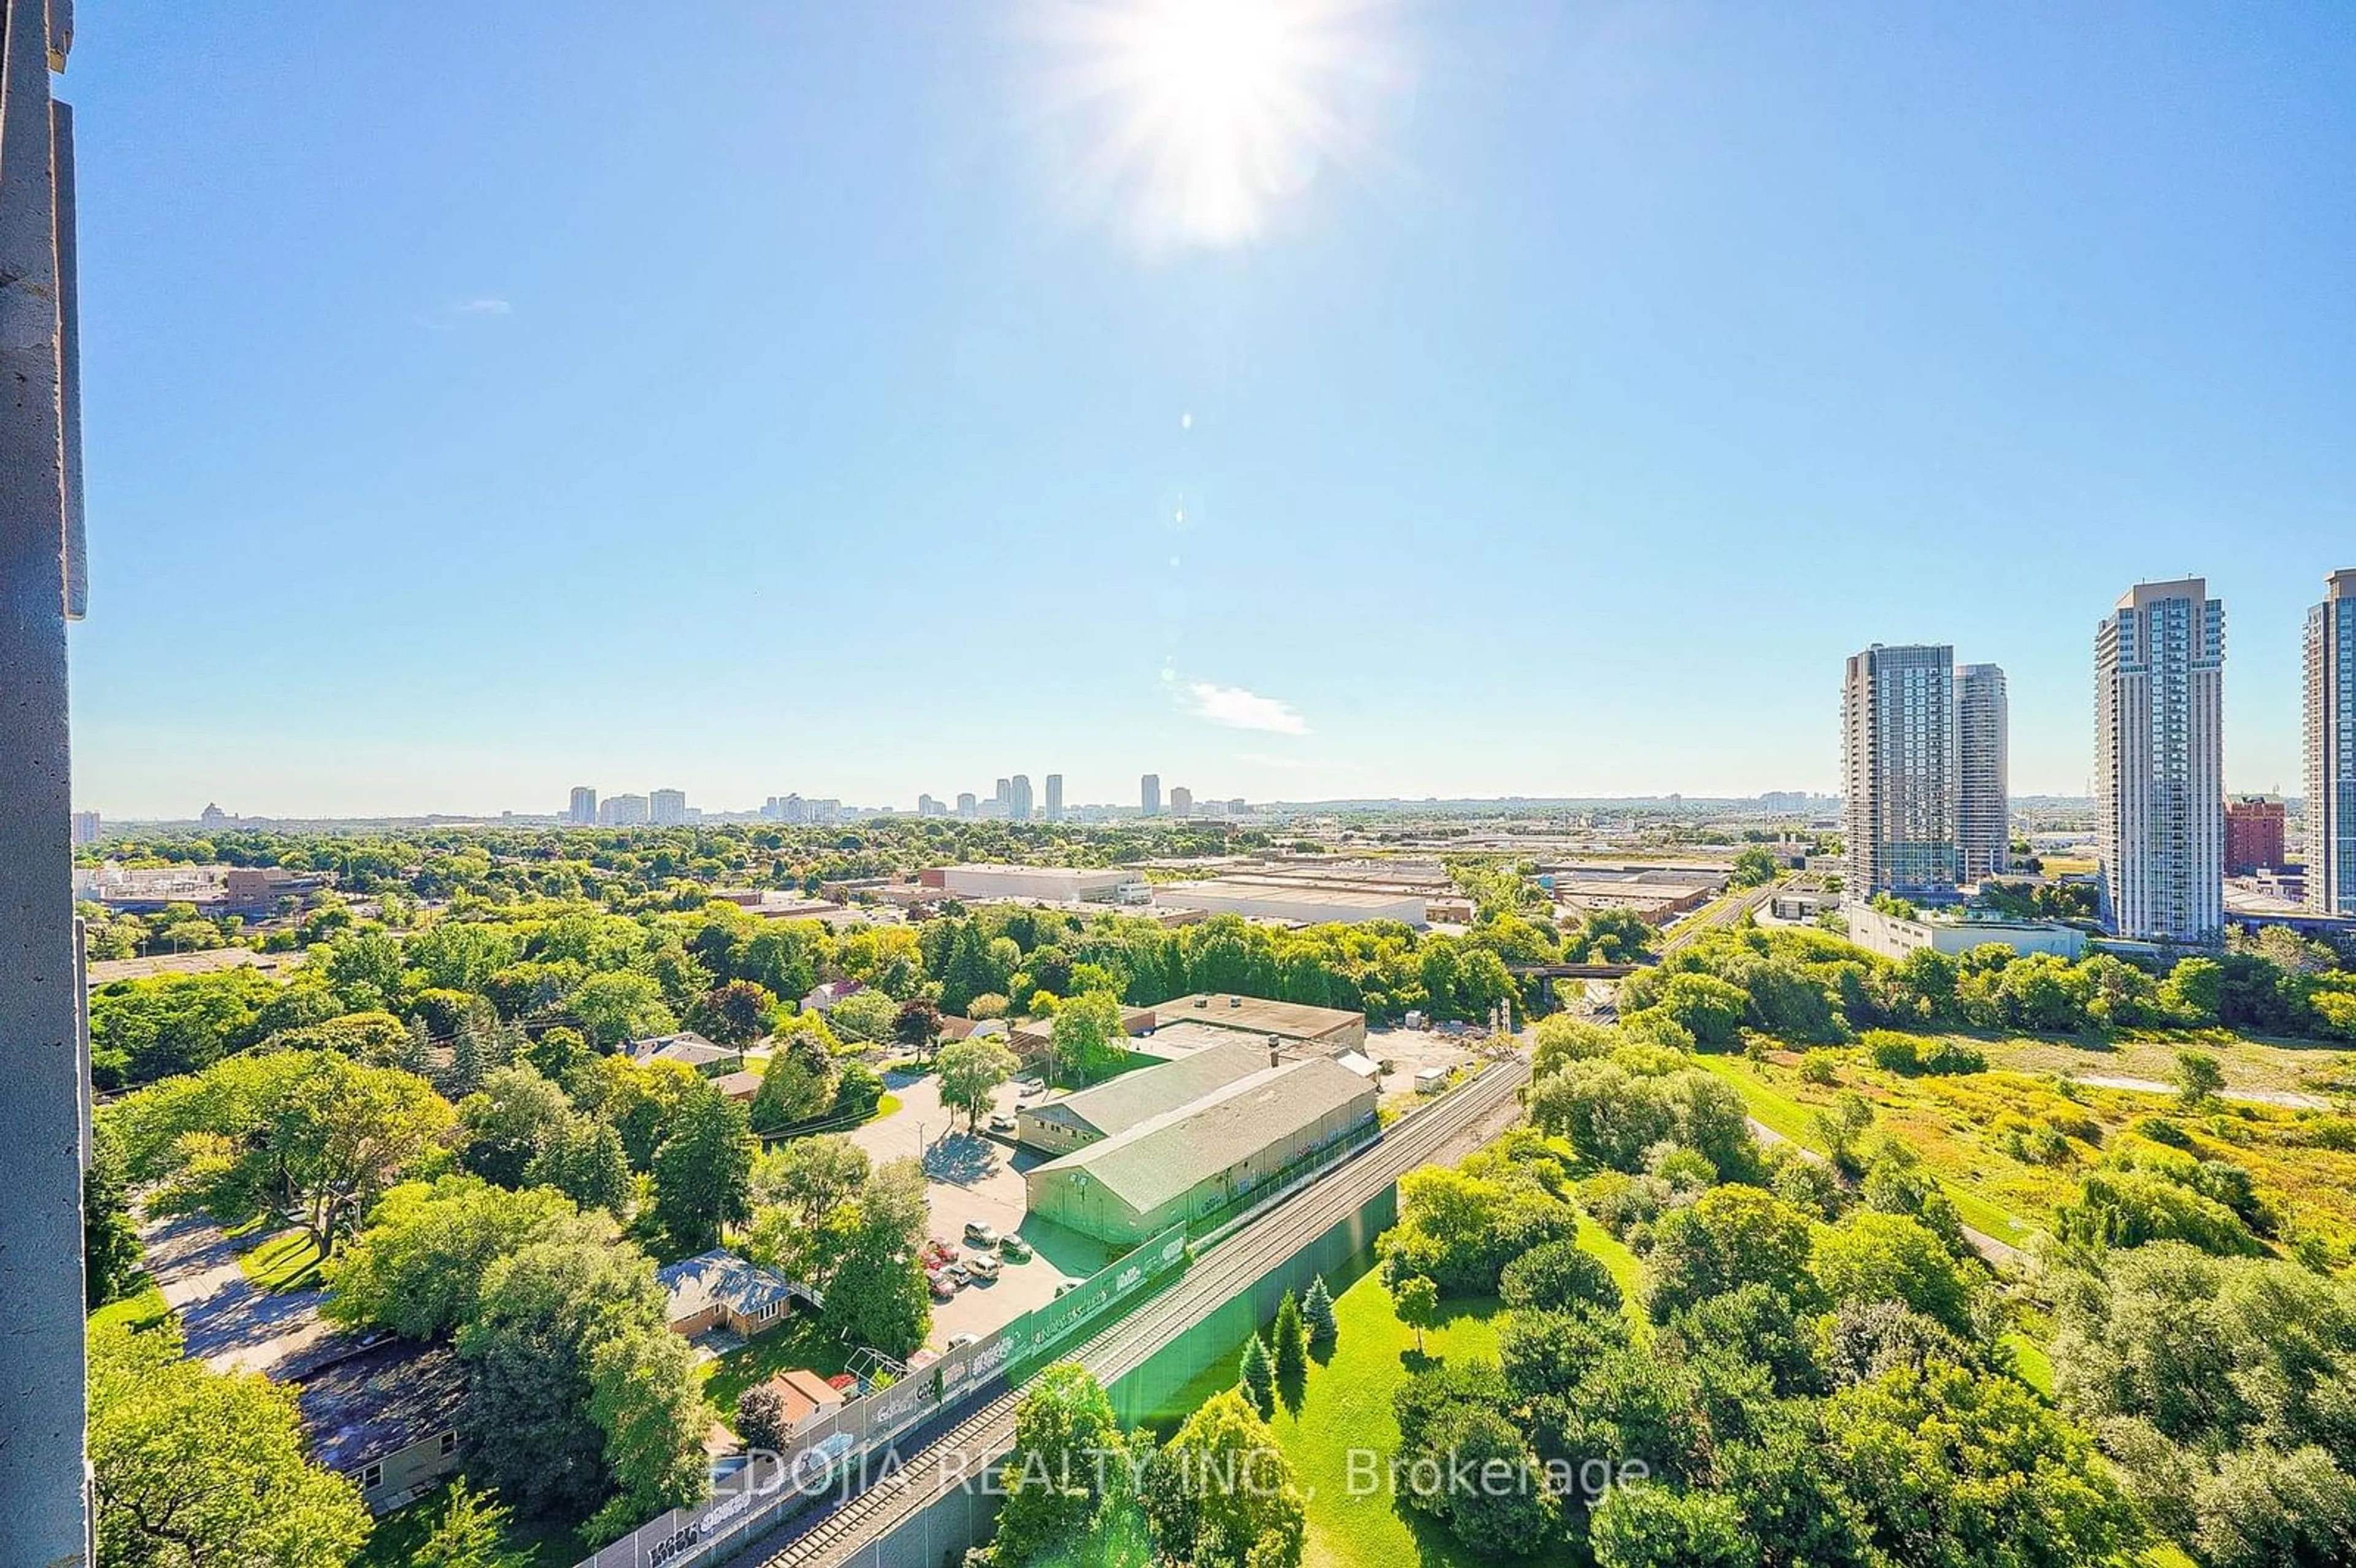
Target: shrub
<point>1820,1066</point>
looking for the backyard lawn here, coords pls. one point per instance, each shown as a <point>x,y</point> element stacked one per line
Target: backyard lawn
<point>800,1343</point>
<point>394,1542</point>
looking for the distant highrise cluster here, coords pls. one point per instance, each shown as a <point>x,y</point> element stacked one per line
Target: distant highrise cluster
<point>1923,771</point>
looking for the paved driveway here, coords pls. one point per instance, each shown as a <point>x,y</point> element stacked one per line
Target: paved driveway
<point>225,1321</point>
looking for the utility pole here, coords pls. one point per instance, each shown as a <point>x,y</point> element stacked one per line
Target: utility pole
<point>45,1505</point>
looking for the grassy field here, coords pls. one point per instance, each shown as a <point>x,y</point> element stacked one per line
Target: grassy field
<point>394,1542</point>
<point>2266,1066</point>
<point>1965,1126</point>
<point>1789,1107</point>
<point>1345,1405</point>
<point>287,1261</point>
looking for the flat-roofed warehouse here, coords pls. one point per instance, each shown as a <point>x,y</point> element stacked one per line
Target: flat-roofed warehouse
<point>1325,1029</point>
<point>1091,1115</point>
<point>1061,884</point>
<point>1190,1161</point>
<point>1257,900</point>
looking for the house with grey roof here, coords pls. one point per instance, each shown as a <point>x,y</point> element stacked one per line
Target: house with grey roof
<point>1199,1156</point>
<point>720,1290</point>
<point>386,1417</point>
<point>688,1049</point>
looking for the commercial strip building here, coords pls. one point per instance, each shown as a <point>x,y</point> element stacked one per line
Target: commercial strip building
<point>1205,1154</point>
<point>1896,937</point>
<point>2331,748</point>
<point>2159,798</point>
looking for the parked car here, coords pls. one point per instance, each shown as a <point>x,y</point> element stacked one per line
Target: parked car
<point>999,1122</point>
<point>980,1234</point>
<point>958,1272</point>
<point>943,1286</point>
<point>981,1264</point>
<point>959,1341</point>
<point>1068,1284</point>
<point>1014,1250</point>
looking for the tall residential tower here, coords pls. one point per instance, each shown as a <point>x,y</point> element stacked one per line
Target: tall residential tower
<point>1900,770</point>
<point>2159,792</point>
<point>1149,795</point>
<point>2332,747</point>
<point>1983,805</point>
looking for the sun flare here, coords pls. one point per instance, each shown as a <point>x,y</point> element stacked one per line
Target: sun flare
<point>1200,115</point>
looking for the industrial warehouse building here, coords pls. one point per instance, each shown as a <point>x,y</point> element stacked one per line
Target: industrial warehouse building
<point>1192,1160</point>
<point>1058,884</point>
<point>1112,1108</point>
<point>1271,900</point>
<point>1326,1029</point>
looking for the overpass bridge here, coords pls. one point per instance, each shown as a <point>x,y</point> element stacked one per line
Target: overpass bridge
<point>935,1466</point>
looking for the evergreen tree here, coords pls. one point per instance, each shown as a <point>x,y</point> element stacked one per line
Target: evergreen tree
<point>470,1058</point>
<point>1257,1379</point>
<point>1317,1313</point>
<point>1291,1337</point>
<point>417,1052</point>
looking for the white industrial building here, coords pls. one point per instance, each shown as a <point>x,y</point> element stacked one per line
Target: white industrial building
<point>1057,884</point>
<point>1895,936</point>
<point>1257,900</point>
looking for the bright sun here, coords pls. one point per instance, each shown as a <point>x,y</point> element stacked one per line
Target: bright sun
<point>1205,113</point>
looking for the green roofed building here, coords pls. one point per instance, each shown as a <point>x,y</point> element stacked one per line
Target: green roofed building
<point>1192,1158</point>
<point>1075,1121</point>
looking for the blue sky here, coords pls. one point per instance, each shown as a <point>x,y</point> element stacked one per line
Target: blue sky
<point>780,397</point>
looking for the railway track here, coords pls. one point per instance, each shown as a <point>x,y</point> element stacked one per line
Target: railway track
<point>959,1454</point>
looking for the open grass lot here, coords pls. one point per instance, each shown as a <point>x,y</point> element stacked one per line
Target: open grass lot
<point>1961,1124</point>
<point>394,1542</point>
<point>1347,1405</point>
<point>287,1261</point>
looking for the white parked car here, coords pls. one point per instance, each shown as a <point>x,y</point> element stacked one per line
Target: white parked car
<point>981,1264</point>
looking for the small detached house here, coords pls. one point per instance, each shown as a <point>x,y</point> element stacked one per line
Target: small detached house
<point>822,1000</point>
<point>720,1290</point>
<point>386,1418</point>
<point>742,1087</point>
<point>688,1049</point>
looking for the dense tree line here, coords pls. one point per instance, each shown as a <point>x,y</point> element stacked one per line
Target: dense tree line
<point>1807,986</point>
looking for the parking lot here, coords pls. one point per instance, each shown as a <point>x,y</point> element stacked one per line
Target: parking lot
<point>978,1178</point>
